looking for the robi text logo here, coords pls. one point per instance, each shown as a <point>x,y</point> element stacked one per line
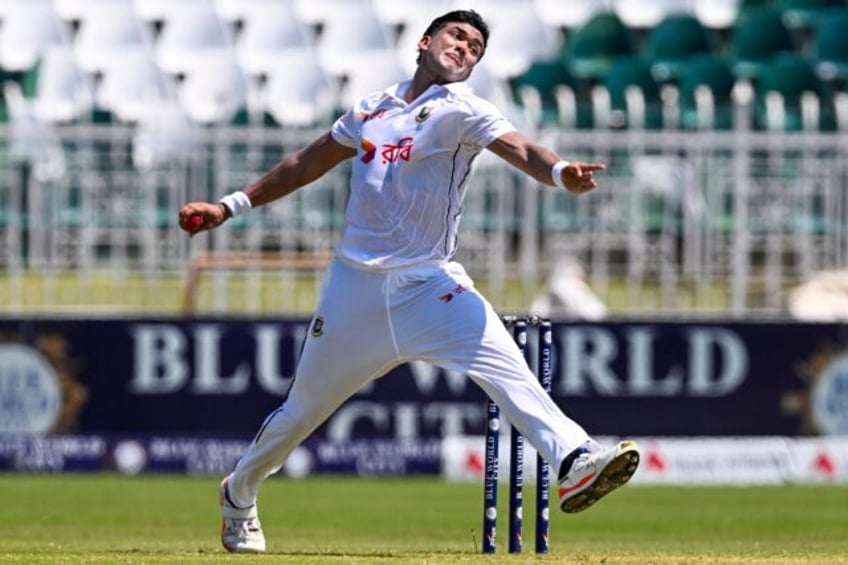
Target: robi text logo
<point>390,152</point>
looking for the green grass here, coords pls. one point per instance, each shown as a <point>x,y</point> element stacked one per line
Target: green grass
<point>170,519</point>
<point>271,294</point>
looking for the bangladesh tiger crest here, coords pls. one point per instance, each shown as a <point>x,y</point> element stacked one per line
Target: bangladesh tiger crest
<point>423,115</point>
<point>318,327</point>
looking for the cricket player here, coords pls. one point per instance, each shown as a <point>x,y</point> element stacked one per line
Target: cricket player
<point>392,294</point>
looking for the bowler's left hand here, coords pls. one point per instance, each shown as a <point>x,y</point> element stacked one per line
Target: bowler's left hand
<point>579,177</point>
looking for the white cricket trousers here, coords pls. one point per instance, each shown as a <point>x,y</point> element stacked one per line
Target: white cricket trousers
<point>369,321</point>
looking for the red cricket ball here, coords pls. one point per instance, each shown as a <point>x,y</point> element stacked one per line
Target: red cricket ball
<point>193,223</point>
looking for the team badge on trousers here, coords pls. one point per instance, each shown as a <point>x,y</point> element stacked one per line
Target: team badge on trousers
<point>318,327</point>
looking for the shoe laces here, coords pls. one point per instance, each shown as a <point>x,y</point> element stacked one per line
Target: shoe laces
<point>253,525</point>
<point>244,527</point>
<point>584,461</point>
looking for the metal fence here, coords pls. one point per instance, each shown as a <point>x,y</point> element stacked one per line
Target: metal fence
<point>691,223</point>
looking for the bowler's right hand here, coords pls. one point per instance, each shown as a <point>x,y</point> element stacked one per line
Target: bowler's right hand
<point>211,214</point>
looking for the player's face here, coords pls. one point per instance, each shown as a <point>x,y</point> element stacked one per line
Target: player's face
<point>451,53</point>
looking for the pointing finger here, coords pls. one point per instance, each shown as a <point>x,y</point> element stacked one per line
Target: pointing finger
<point>591,167</point>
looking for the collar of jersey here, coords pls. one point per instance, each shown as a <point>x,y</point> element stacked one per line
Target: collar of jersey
<point>394,90</point>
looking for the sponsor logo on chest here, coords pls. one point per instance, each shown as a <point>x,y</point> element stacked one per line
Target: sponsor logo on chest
<point>401,150</point>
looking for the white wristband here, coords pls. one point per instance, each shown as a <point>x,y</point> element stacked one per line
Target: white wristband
<point>236,202</point>
<point>556,173</point>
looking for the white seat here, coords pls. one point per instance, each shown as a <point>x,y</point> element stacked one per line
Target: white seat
<point>491,87</point>
<point>406,49</point>
<point>298,91</point>
<point>269,32</point>
<point>518,38</point>
<point>239,10</point>
<point>215,89</point>
<point>571,14</point>
<point>190,32</point>
<point>485,83</point>
<point>107,31</point>
<point>716,14</point>
<point>29,27</point>
<point>383,70</point>
<point>70,10</point>
<point>648,13</point>
<point>30,138</point>
<point>166,136</point>
<point>351,38</point>
<point>231,10</point>
<point>63,92</point>
<point>5,8</point>
<point>319,12</point>
<point>410,12</point>
<point>161,10</point>
<point>487,8</point>
<point>133,86</point>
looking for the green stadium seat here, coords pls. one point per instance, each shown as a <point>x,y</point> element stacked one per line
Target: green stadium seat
<point>801,14</point>
<point>246,117</point>
<point>548,82</point>
<point>29,80</point>
<point>592,47</point>
<point>4,107</point>
<point>747,6</point>
<point>716,75</point>
<point>673,42</point>
<point>624,73</point>
<point>791,76</point>
<point>758,35</point>
<point>830,46</point>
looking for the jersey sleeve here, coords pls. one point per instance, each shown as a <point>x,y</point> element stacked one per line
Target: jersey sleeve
<point>345,127</point>
<point>484,124</point>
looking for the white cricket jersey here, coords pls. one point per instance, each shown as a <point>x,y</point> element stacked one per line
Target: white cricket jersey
<point>410,171</point>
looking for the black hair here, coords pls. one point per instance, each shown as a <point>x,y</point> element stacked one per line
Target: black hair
<point>461,16</point>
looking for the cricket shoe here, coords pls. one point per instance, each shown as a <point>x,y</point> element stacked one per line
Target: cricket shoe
<point>593,474</point>
<point>241,531</point>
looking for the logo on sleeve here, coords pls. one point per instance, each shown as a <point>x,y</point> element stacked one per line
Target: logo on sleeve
<point>445,298</point>
<point>375,115</point>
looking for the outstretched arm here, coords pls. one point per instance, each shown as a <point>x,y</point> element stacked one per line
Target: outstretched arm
<point>292,172</point>
<point>539,162</point>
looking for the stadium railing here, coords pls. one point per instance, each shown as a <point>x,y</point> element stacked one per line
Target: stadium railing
<point>710,222</point>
